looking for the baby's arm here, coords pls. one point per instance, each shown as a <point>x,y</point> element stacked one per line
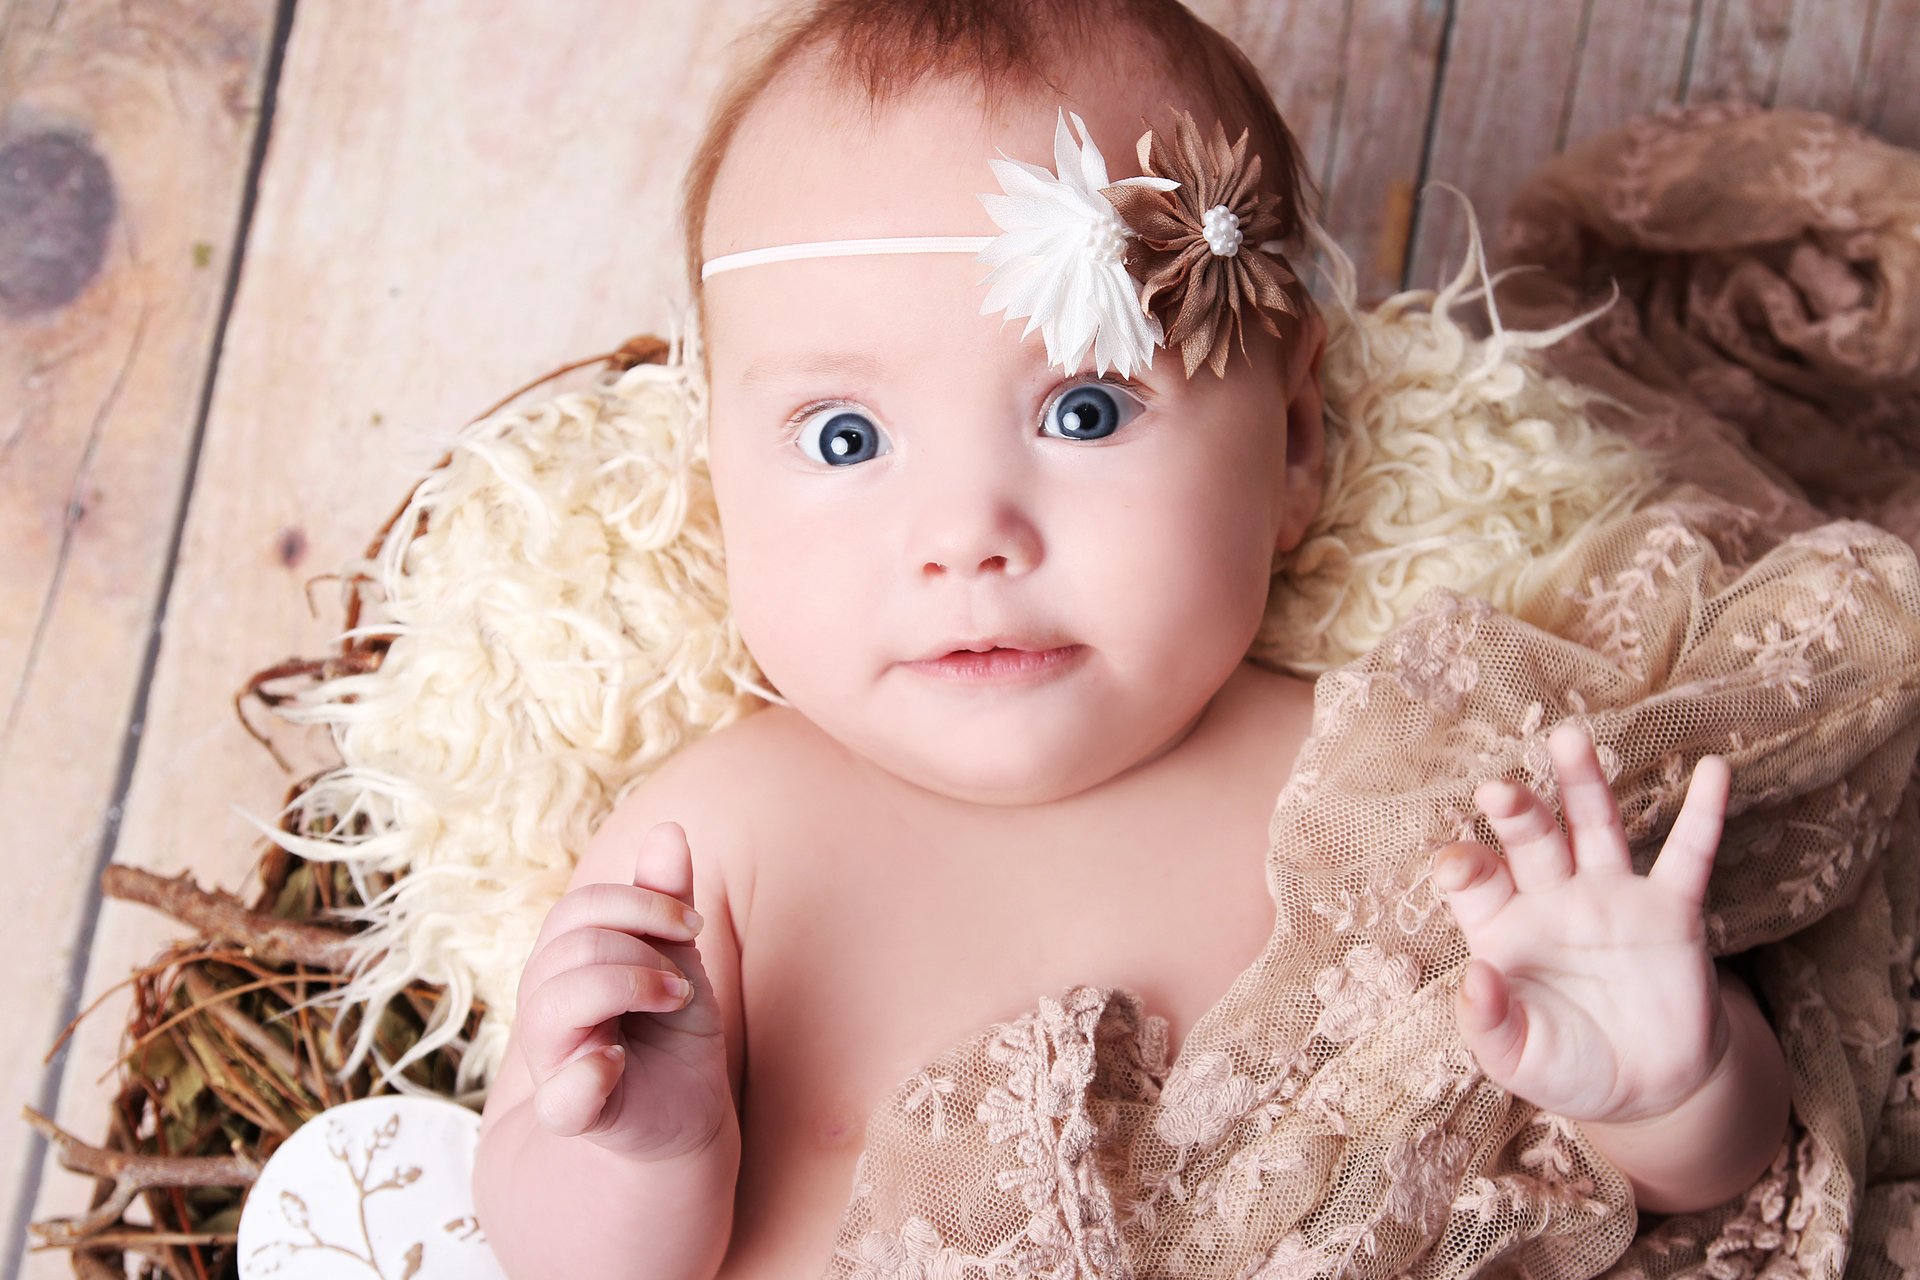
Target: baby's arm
<point>569,1206</point>
<point>562,1207</point>
<point>1592,995</point>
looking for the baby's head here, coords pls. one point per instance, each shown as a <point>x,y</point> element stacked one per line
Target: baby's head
<point>899,475</point>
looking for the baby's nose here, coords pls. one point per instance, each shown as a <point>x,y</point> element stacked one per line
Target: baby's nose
<point>968,531</point>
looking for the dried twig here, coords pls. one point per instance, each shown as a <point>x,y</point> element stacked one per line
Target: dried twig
<point>250,1033</point>
<point>91,1266</point>
<point>130,1174</point>
<point>223,917</point>
<point>357,660</point>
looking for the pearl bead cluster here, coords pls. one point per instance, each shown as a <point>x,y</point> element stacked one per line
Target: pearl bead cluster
<point>1222,229</point>
<point>1107,240</point>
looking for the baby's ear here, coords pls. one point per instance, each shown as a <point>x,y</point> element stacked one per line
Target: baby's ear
<point>1306,435</point>
<point>1309,345</point>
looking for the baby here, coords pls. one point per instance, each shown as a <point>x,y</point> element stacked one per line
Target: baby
<point>1006,584</point>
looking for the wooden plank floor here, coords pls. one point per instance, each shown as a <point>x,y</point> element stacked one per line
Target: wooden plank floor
<point>256,259</point>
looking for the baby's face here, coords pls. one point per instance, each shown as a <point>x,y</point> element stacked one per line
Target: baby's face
<point>898,475</point>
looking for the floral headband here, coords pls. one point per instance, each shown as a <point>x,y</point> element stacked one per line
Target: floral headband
<point>1120,267</point>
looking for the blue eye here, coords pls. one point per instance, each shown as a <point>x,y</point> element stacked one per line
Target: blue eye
<point>1090,411</point>
<point>847,436</point>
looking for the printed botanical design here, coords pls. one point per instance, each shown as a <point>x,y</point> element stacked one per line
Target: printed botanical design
<point>294,1209</point>
<point>1197,242</point>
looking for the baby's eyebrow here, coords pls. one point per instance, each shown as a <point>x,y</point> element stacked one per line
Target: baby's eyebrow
<point>852,364</point>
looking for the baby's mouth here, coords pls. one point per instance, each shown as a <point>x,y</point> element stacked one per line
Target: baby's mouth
<point>998,662</point>
<point>1034,641</point>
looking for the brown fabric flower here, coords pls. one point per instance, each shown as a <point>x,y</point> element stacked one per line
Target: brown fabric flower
<point>1194,288</point>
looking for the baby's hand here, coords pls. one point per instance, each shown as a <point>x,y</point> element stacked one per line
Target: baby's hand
<point>1590,993</point>
<point>618,1054</point>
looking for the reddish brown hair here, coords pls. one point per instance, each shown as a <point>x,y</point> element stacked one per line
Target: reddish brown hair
<point>887,47</point>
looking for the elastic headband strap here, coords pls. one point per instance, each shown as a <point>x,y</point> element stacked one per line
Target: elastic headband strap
<point>845,249</point>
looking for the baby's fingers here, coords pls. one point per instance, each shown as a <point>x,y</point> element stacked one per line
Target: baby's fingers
<point>567,1008</point>
<point>570,1102</point>
<point>635,909</point>
<point>1593,816</point>
<point>1475,881</point>
<point>1491,1020</point>
<point>1537,853</point>
<point>579,948</point>
<point>1685,863</point>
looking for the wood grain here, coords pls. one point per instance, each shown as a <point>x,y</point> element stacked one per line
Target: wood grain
<point>1301,53</point>
<point>455,201</point>
<point>124,154</point>
<point>1504,98</point>
<point>1388,66</point>
<point>1885,100</point>
<point>1820,61</point>
<point>1633,58</point>
<point>1737,50</point>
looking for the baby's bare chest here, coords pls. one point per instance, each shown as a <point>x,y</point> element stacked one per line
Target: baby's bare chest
<point>882,943</point>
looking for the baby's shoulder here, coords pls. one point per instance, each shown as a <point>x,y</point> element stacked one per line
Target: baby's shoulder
<point>761,757</point>
<point>721,765</point>
<point>726,789</point>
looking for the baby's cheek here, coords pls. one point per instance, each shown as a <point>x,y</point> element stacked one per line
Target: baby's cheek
<point>1191,567</point>
<point>1197,531</point>
<point>798,602</point>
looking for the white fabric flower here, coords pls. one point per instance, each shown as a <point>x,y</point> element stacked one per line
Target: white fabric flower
<point>1061,257</point>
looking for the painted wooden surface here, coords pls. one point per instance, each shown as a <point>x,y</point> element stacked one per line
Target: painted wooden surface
<point>125,147</point>
<point>336,232</point>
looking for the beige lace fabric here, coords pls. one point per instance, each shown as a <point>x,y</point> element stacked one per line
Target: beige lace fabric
<point>1324,1119</point>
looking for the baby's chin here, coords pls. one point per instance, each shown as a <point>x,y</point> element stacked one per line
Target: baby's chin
<point>1011,760</point>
